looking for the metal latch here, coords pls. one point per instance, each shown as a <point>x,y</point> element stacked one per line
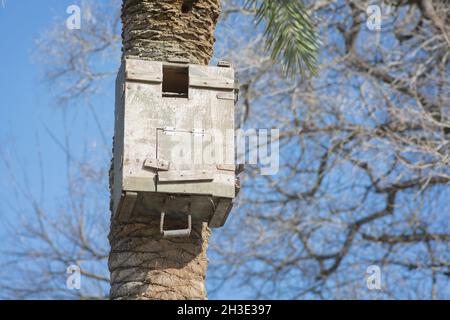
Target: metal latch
<point>175,233</point>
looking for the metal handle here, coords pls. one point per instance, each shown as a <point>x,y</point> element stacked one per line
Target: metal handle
<point>175,233</point>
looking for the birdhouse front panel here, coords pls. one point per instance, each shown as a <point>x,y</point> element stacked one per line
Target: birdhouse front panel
<point>174,136</point>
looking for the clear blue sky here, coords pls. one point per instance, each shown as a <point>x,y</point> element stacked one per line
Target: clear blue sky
<point>25,104</point>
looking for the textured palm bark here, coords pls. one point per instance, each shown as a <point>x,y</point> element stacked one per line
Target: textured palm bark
<point>169,29</point>
<point>143,265</point>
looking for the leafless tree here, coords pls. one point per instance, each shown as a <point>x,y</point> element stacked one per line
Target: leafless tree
<point>48,233</point>
<point>364,158</point>
<point>364,175</point>
<point>47,237</point>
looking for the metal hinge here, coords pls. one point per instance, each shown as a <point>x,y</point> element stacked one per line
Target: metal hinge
<point>169,130</point>
<point>123,90</point>
<point>237,87</point>
<point>198,132</point>
<point>172,131</point>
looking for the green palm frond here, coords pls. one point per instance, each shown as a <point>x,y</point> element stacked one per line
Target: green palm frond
<point>290,34</point>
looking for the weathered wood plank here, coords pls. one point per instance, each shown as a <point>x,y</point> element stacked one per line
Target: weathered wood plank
<point>157,164</point>
<point>143,77</point>
<point>211,83</point>
<point>185,175</point>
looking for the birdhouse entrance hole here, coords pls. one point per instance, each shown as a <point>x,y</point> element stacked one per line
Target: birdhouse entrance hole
<point>175,81</point>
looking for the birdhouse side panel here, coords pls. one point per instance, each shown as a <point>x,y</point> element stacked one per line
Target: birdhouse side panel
<point>118,139</point>
<point>143,83</point>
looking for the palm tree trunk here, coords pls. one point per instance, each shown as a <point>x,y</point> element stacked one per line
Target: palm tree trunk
<point>142,264</point>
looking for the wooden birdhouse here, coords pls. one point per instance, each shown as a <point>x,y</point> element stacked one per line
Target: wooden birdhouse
<point>174,142</point>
